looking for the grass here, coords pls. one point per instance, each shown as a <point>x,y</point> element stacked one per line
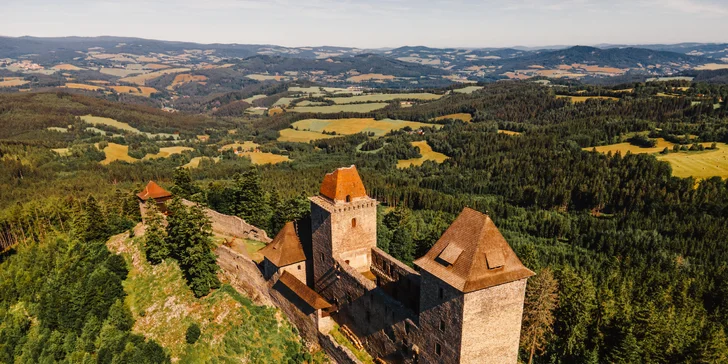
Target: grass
<point>98,120</point>
<point>63,152</point>
<point>143,78</point>
<point>13,83</point>
<point>254,97</point>
<point>468,89</point>
<point>384,97</point>
<point>195,162</point>
<point>120,72</point>
<point>185,78</point>
<point>246,146</point>
<point>705,164</point>
<point>353,126</point>
<point>66,67</point>
<point>712,67</point>
<point>249,247</point>
<point>461,116</point>
<point>427,155</point>
<point>82,86</point>
<point>362,108</point>
<point>369,77</point>
<point>299,136</point>
<point>117,152</point>
<point>316,90</point>
<point>578,99</point>
<point>260,77</point>
<point>284,101</point>
<point>167,151</point>
<point>265,158</point>
<point>140,90</point>
<point>233,328</point>
<point>362,355</point>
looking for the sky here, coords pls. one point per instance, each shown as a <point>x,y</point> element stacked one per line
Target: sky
<point>376,23</point>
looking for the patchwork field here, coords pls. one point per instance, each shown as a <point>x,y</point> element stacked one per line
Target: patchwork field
<point>578,99</point>
<point>66,67</point>
<point>385,97</point>
<point>427,155</point>
<point>13,82</point>
<point>185,78</point>
<point>139,90</point>
<point>299,136</point>
<point>246,146</point>
<point>712,67</point>
<point>97,120</point>
<point>369,77</point>
<point>333,109</point>
<point>120,72</point>
<point>117,152</point>
<point>82,86</point>
<point>143,78</point>
<point>167,151</point>
<point>462,116</point>
<point>353,126</point>
<point>468,90</point>
<point>195,162</point>
<point>265,158</point>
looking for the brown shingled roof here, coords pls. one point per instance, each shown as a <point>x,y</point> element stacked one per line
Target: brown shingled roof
<point>472,255</point>
<point>341,183</point>
<point>312,298</point>
<point>154,191</point>
<point>286,248</point>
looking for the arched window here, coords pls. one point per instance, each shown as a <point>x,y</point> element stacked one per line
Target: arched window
<point>353,222</point>
<point>348,198</point>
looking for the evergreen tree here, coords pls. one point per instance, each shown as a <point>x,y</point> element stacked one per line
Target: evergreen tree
<point>279,215</point>
<point>712,348</point>
<point>183,186</point>
<point>249,199</point>
<point>155,244</point>
<point>538,312</point>
<point>90,223</point>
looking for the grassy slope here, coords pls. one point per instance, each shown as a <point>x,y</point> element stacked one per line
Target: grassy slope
<point>233,328</point>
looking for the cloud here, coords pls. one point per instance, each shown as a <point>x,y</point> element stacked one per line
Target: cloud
<point>693,7</point>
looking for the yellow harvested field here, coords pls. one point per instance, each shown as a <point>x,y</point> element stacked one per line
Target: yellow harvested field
<point>578,99</point>
<point>147,59</point>
<point>99,82</point>
<point>143,78</point>
<point>462,116</point>
<point>468,90</point>
<point>353,126</point>
<point>195,162</point>
<point>13,82</point>
<point>98,120</point>
<point>700,165</point>
<point>66,67</point>
<point>712,67</point>
<point>384,97</point>
<point>299,136</point>
<point>369,77</point>
<point>259,77</point>
<point>140,90</point>
<point>508,132</point>
<point>185,78</point>
<point>155,66</point>
<point>82,86</point>
<point>244,146</point>
<point>427,155</point>
<point>264,158</point>
<point>623,148</point>
<point>333,109</point>
<point>166,152</point>
<point>117,152</point>
<point>275,111</point>
<point>120,72</point>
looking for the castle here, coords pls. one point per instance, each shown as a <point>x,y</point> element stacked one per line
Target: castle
<point>464,304</point>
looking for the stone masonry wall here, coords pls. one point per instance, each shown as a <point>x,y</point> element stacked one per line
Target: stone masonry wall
<point>397,279</point>
<point>492,324</point>
<point>354,232</point>
<point>434,310</point>
<point>232,225</point>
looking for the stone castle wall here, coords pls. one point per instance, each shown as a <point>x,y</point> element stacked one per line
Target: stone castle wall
<point>232,225</point>
<point>397,279</point>
<point>434,310</point>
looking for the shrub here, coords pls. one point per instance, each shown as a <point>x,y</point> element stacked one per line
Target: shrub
<point>193,334</point>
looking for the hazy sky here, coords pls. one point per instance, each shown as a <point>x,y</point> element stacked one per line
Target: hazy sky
<point>376,23</point>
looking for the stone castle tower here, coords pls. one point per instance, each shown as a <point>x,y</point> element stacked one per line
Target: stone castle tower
<point>471,296</point>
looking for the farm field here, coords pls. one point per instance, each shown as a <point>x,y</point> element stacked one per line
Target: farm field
<point>427,155</point>
<point>317,91</point>
<point>245,146</point>
<point>13,82</point>
<point>167,151</point>
<point>712,67</point>
<point>369,77</point>
<point>699,165</point>
<point>299,136</point>
<point>353,126</point>
<point>260,77</point>
<point>468,90</point>
<point>120,72</point>
<point>117,152</point>
<point>66,67</point>
<point>265,158</point>
<point>185,78</point>
<point>340,108</point>
<point>97,120</point>
<point>143,78</point>
<point>195,162</point>
<point>578,99</point>
<point>461,116</point>
<point>253,98</point>
<point>284,101</point>
<point>384,97</point>
<point>140,90</point>
<point>63,152</point>
<point>623,148</point>
<point>508,132</point>
<point>82,86</point>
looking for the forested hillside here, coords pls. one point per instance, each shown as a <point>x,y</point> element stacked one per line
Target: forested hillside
<point>638,255</point>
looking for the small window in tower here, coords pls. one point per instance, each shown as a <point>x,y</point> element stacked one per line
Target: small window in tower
<point>438,349</point>
<point>442,325</point>
<point>353,222</point>
<point>299,267</point>
<point>348,198</point>
<point>441,293</point>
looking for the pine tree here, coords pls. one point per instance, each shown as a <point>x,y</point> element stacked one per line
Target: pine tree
<point>279,215</point>
<point>538,312</point>
<point>249,199</point>
<point>713,347</point>
<point>183,186</point>
<point>90,223</point>
<point>155,244</point>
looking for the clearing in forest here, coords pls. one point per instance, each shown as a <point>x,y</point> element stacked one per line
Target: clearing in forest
<point>13,82</point>
<point>117,152</point>
<point>508,132</point>
<point>254,97</point>
<point>333,109</point>
<point>98,120</point>
<point>139,90</point>
<point>167,151</point>
<point>460,116</point>
<point>385,97</point>
<point>468,89</point>
<point>370,77</point>
<point>300,136</point>
<point>195,162</point>
<point>185,78</point>
<point>578,99</point>
<point>82,86</point>
<point>66,67</point>
<point>260,77</point>
<point>143,78</point>
<point>353,126</point>
<point>264,157</point>
<point>246,146</point>
<point>427,155</point>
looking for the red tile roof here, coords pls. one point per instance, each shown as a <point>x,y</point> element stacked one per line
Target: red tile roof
<point>312,298</point>
<point>472,255</point>
<point>154,191</point>
<point>286,248</point>
<point>341,183</point>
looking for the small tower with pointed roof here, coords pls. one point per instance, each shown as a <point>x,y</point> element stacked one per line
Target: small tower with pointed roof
<point>343,223</point>
<point>472,292</point>
<point>285,254</point>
